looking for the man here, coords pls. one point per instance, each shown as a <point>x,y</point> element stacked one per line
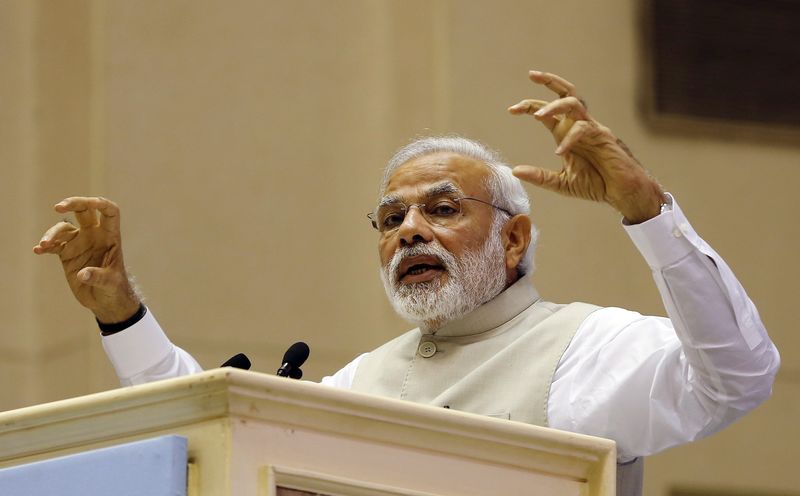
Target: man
<point>455,246</point>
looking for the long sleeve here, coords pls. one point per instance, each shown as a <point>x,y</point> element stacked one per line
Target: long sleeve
<point>651,383</point>
<point>143,353</point>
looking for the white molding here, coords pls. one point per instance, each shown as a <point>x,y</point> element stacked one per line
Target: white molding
<point>309,480</point>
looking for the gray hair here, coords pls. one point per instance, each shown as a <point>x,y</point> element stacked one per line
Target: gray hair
<point>505,189</point>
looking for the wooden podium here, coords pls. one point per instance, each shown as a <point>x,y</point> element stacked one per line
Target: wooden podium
<point>255,434</point>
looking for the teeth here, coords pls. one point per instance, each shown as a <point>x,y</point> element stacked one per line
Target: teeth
<point>420,269</point>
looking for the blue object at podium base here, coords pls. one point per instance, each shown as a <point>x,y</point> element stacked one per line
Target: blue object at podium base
<point>153,467</point>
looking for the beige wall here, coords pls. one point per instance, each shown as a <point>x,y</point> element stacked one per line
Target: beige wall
<point>244,142</point>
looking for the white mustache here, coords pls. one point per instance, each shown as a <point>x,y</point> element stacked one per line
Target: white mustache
<point>433,248</point>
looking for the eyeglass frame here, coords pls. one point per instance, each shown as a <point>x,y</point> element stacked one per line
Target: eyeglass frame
<point>372,215</point>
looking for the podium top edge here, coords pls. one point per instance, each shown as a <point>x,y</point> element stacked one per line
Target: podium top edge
<point>225,392</point>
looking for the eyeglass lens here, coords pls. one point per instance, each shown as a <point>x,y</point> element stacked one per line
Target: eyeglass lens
<point>442,212</point>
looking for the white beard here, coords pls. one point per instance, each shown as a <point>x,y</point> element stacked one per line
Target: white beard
<point>475,278</point>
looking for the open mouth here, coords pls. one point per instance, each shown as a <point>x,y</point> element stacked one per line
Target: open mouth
<point>419,269</point>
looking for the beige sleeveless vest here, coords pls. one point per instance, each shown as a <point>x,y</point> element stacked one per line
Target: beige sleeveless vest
<point>497,361</point>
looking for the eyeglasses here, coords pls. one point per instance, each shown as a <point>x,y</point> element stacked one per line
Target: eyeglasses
<point>442,212</point>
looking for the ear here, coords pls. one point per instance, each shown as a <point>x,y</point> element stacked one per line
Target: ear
<point>516,236</point>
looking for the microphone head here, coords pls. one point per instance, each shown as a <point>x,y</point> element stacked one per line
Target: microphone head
<point>239,361</point>
<point>297,354</point>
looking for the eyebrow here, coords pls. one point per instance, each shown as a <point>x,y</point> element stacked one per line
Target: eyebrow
<point>434,191</point>
<point>441,189</point>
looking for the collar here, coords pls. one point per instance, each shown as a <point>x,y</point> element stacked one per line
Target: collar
<point>494,313</point>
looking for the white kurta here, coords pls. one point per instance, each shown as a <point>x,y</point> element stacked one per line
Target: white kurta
<point>648,383</point>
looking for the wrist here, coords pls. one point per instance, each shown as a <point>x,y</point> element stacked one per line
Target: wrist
<point>120,312</point>
<point>644,207</point>
<point>107,328</point>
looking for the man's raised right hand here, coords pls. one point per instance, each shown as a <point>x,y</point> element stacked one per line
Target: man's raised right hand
<point>91,254</point>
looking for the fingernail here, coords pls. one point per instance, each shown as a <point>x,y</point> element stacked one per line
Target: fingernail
<point>539,113</point>
<point>559,150</point>
<point>534,73</point>
<point>85,276</point>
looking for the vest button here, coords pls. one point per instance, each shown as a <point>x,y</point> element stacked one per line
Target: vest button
<point>427,349</point>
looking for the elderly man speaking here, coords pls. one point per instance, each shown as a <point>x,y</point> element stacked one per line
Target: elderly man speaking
<point>456,244</point>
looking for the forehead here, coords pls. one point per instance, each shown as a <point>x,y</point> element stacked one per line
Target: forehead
<point>418,175</point>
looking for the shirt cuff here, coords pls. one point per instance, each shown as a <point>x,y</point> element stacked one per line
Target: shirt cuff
<point>664,239</point>
<point>137,348</point>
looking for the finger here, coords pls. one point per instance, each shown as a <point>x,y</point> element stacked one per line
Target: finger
<point>109,213</point>
<point>538,176</point>
<point>55,248</point>
<point>60,233</point>
<point>531,107</point>
<point>81,207</point>
<point>52,248</point>
<point>86,208</point>
<point>527,106</point>
<point>570,106</point>
<point>573,136</point>
<point>557,84</point>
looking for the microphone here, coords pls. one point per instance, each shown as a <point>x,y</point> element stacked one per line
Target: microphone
<point>295,356</point>
<point>239,361</point>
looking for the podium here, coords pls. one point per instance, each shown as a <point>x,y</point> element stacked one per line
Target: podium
<point>254,434</point>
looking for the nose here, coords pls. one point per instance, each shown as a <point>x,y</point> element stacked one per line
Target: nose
<point>415,228</point>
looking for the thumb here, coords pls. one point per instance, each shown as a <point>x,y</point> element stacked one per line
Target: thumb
<point>95,276</point>
<point>538,176</point>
